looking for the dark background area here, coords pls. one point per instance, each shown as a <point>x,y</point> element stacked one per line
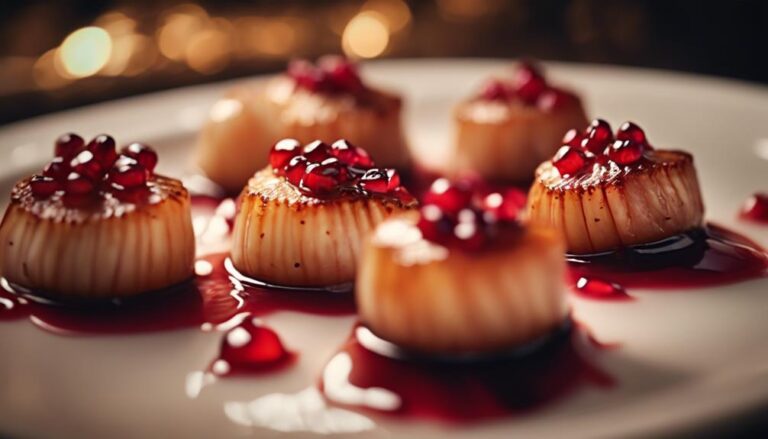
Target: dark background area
<point>162,44</point>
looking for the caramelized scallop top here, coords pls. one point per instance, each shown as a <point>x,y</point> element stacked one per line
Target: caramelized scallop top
<point>94,181</point>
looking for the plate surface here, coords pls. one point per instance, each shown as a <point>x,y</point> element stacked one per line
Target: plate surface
<point>686,358</point>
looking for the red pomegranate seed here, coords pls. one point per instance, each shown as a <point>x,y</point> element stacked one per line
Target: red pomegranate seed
<point>573,138</point>
<point>103,149</point>
<point>67,145</point>
<point>469,230</point>
<point>342,73</point>
<point>598,136</point>
<point>317,151</point>
<point>85,163</point>
<point>143,154</point>
<point>506,206</point>
<point>322,178</point>
<point>553,99</point>
<point>434,224</point>
<point>128,177</point>
<point>306,75</point>
<point>630,131</point>
<point>58,169</point>
<point>351,155</point>
<point>569,161</point>
<point>449,197</point>
<point>380,181</point>
<point>282,153</point>
<point>494,90</point>
<point>529,83</point>
<point>252,347</point>
<point>43,186</point>
<point>295,169</point>
<point>77,184</point>
<point>625,152</point>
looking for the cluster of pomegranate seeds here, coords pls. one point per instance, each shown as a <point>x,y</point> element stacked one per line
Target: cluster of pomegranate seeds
<point>529,86</point>
<point>80,170</point>
<point>598,144</point>
<point>331,74</point>
<point>321,170</point>
<point>467,215</point>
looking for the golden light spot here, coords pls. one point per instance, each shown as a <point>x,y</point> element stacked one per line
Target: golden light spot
<point>85,51</point>
<point>366,35</point>
<point>209,51</point>
<point>395,12</point>
<point>45,74</point>
<point>175,35</point>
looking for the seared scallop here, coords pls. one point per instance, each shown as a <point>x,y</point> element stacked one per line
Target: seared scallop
<point>604,192</point>
<point>302,219</point>
<point>327,102</point>
<point>510,127</point>
<point>97,224</point>
<point>455,278</point>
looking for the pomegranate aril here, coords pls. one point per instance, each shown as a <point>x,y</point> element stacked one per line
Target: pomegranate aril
<point>380,181</point>
<point>630,131</point>
<point>295,169</point>
<point>449,197</point>
<point>78,184</point>
<point>342,73</point>
<point>506,206</point>
<point>529,83</point>
<point>43,186</point>
<point>469,230</point>
<point>129,177</point>
<point>58,168</point>
<point>306,75</point>
<point>103,149</point>
<point>553,99</point>
<point>494,90</point>
<point>282,153</point>
<point>569,161</point>
<point>85,163</point>
<point>573,138</point>
<point>317,151</point>
<point>434,224</point>
<point>322,178</point>
<point>598,136</point>
<point>68,145</point>
<point>351,155</point>
<point>143,154</point>
<point>625,152</point>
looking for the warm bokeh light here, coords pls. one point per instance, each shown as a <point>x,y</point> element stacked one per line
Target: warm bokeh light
<point>209,51</point>
<point>85,51</point>
<point>45,73</point>
<point>178,28</point>
<point>395,12</point>
<point>366,35</point>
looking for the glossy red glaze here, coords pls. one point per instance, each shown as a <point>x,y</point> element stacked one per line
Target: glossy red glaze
<point>594,288</point>
<point>709,256</point>
<point>461,389</point>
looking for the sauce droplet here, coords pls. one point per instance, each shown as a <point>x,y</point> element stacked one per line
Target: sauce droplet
<point>249,348</point>
<point>594,288</point>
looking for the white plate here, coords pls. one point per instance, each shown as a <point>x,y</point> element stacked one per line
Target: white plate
<point>686,357</point>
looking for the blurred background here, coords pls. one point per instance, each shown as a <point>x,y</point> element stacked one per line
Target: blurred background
<point>61,54</point>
